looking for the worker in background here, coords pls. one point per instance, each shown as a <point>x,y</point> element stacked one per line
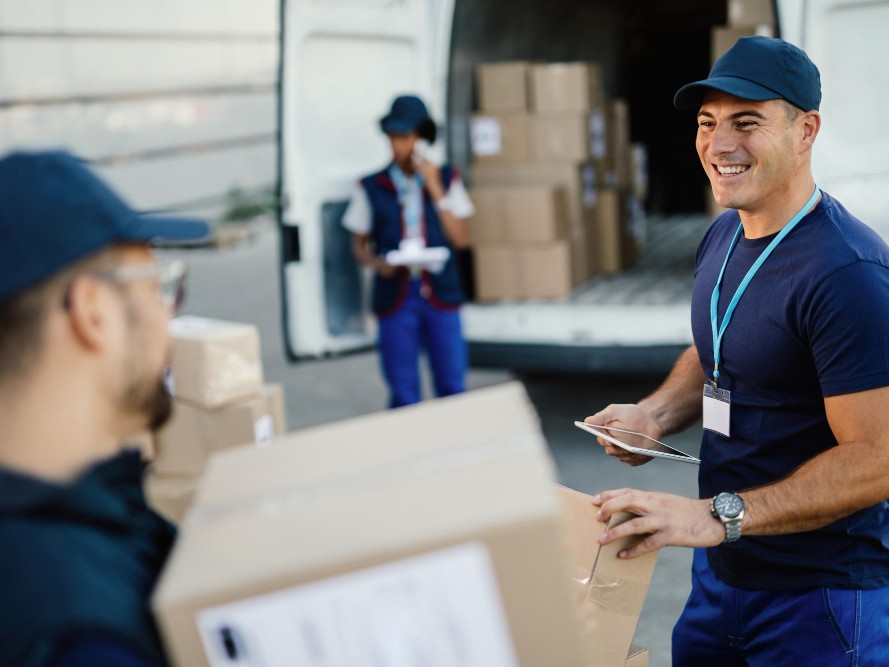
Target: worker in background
<point>84,307</point>
<point>413,209</point>
<point>789,371</point>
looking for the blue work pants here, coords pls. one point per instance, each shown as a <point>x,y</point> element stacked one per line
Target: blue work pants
<point>415,327</point>
<point>724,626</point>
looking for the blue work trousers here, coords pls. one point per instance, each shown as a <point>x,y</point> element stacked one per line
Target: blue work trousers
<point>724,626</point>
<point>415,327</point>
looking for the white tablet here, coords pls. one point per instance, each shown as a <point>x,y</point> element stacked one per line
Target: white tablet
<point>423,258</point>
<point>651,447</point>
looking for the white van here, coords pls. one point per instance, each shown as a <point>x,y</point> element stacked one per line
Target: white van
<point>344,60</point>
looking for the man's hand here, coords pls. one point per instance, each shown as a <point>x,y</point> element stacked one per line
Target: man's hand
<point>631,418</point>
<point>668,520</point>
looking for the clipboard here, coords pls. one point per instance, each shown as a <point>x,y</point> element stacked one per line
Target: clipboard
<point>657,449</point>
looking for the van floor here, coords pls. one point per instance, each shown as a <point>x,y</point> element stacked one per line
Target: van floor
<point>665,270</point>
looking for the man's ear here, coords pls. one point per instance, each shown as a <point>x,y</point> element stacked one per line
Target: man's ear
<point>810,125</point>
<point>87,306</point>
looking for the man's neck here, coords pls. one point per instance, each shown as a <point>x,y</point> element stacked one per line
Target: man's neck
<point>772,216</point>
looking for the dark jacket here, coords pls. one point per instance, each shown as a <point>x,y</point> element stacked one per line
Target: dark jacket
<point>79,560</point>
<point>387,231</point>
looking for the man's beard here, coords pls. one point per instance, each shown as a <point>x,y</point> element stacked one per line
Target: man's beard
<point>151,401</point>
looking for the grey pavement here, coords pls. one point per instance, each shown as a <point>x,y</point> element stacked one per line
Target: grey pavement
<point>241,283</point>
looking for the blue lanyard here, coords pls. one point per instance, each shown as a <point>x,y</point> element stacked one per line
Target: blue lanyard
<point>719,331</point>
<point>411,202</point>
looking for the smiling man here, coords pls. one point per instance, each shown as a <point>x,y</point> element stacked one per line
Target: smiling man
<point>790,372</point>
<point>84,307</point>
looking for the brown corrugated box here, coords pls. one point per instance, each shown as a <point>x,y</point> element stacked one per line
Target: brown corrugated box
<point>194,433</point>
<point>617,127</point>
<point>564,175</point>
<point>388,530</point>
<point>612,589</point>
<point>747,13</point>
<point>519,214</point>
<point>560,87</point>
<point>545,270</point>
<point>503,86</point>
<point>500,138</point>
<point>214,362</point>
<point>608,216</point>
<point>170,496</point>
<point>497,274</point>
<point>722,38</point>
<point>560,137</point>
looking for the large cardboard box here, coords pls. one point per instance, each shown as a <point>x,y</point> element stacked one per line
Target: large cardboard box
<point>388,536</point>
<point>497,274</point>
<point>503,86</point>
<point>214,362</point>
<point>609,220</point>
<point>612,590</point>
<point>722,38</point>
<point>561,87</point>
<point>545,270</point>
<point>500,138</point>
<point>562,137</point>
<point>519,214</point>
<point>185,444</point>
<point>170,496</point>
<point>619,152</point>
<point>748,13</point>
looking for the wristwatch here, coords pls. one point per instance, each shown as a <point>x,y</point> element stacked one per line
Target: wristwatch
<point>728,507</point>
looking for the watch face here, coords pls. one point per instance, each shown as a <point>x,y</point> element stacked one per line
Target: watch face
<point>728,505</point>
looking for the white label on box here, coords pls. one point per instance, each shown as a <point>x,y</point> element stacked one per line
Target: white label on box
<point>264,430</point>
<point>485,136</point>
<point>597,134</point>
<point>439,609</point>
<point>588,179</point>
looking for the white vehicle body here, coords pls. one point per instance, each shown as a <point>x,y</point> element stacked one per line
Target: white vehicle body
<point>173,101</point>
<point>344,60</point>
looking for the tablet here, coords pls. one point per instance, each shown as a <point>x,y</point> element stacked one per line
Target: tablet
<point>651,447</point>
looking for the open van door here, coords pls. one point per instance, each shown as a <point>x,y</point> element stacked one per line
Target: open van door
<point>846,39</point>
<point>342,63</point>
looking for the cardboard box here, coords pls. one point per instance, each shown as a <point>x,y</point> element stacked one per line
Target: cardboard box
<point>170,496</point>
<point>214,362</point>
<point>563,137</point>
<point>618,143</point>
<point>496,273</point>
<point>545,270</point>
<point>748,13</point>
<point>343,531</point>
<point>520,214</point>
<point>194,433</point>
<point>564,87</point>
<point>639,170</point>
<point>583,265</point>
<point>722,38</point>
<point>609,217</point>
<point>613,590</point>
<point>500,138</point>
<point>274,398</point>
<point>565,175</point>
<point>503,86</point>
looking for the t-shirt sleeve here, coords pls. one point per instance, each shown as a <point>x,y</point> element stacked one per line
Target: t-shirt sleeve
<point>458,199</point>
<point>357,218</point>
<point>849,329</point>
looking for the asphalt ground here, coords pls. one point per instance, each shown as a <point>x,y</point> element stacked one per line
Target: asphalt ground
<point>241,284</point>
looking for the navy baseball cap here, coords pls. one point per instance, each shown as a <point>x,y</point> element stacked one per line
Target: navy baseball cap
<point>759,68</point>
<point>54,211</point>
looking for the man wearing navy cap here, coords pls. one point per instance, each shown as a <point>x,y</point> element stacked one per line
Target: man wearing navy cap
<point>790,372</point>
<point>84,306</point>
<point>412,207</point>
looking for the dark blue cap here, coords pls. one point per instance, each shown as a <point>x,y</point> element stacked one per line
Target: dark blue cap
<point>759,68</point>
<point>409,114</point>
<point>54,211</point>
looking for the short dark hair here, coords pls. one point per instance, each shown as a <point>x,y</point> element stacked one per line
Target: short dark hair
<point>791,110</point>
<point>23,316</point>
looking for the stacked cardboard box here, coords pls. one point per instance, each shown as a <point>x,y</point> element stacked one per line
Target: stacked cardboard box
<point>387,536</point>
<point>548,125</point>
<point>220,401</point>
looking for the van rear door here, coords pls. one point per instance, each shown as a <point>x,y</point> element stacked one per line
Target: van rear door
<point>846,39</point>
<point>342,63</point>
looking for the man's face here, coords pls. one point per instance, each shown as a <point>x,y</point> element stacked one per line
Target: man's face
<point>403,148</point>
<point>752,151</point>
<point>146,353</point>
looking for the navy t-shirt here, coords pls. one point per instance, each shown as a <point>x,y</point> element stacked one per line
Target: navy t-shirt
<point>813,323</point>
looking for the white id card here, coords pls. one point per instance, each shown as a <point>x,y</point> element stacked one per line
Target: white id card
<point>717,409</point>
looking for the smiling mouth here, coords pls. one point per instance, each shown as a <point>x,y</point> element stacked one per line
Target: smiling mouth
<point>731,170</point>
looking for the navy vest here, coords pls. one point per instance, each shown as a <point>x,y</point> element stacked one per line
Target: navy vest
<point>387,231</point>
<point>79,561</point>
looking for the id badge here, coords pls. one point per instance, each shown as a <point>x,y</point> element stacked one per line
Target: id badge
<point>717,409</point>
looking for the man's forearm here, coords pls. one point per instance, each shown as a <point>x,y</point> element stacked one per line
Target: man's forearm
<point>677,402</point>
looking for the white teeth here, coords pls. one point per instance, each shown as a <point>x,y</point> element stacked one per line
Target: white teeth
<point>733,170</point>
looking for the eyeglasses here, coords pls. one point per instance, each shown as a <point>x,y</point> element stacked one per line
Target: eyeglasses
<point>170,277</point>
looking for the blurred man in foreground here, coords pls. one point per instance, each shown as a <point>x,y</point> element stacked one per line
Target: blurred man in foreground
<point>790,372</point>
<point>84,307</point>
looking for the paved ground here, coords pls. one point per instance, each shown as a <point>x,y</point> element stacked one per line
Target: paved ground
<point>241,284</point>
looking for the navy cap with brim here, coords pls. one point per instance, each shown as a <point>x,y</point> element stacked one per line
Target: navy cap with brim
<point>691,95</point>
<point>397,126</point>
<point>163,229</point>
